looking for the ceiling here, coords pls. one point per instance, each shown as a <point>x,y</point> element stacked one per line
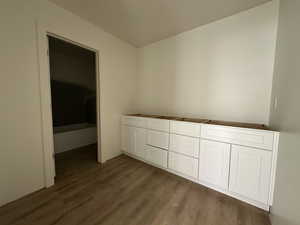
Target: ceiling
<point>141,22</point>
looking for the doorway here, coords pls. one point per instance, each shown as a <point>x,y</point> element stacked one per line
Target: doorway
<point>73,81</point>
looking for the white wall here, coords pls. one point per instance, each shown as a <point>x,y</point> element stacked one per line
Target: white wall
<point>286,88</point>
<point>222,70</point>
<point>21,154</point>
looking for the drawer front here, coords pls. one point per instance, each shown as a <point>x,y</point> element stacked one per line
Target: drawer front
<point>158,124</point>
<point>185,145</point>
<point>158,139</point>
<point>134,121</point>
<point>157,156</point>
<point>185,128</point>
<point>240,136</point>
<point>183,164</point>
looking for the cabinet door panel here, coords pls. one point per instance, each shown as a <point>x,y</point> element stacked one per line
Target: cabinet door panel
<point>250,173</point>
<point>185,145</point>
<point>131,140</point>
<point>183,164</point>
<point>140,142</point>
<point>125,138</point>
<point>214,163</point>
<point>128,139</point>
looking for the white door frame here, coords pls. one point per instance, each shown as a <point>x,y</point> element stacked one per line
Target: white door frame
<point>45,98</point>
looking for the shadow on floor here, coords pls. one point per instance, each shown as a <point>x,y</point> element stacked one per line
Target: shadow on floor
<point>75,161</point>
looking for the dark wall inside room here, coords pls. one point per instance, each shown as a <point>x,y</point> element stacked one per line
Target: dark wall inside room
<point>73,83</point>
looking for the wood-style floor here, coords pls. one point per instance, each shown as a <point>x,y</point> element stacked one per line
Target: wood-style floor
<point>125,191</point>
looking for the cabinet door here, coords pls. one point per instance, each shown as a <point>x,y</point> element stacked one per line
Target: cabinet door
<point>140,142</point>
<point>214,163</point>
<point>125,138</point>
<point>250,172</point>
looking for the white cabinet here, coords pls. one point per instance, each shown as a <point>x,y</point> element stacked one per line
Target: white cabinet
<point>240,136</point>
<point>134,141</point>
<point>124,138</point>
<point>183,164</point>
<point>158,139</point>
<point>128,139</point>
<point>185,128</point>
<point>157,156</point>
<point>158,124</point>
<point>214,163</point>
<point>134,121</point>
<point>140,142</point>
<point>184,145</point>
<point>250,173</point>
<point>237,161</point>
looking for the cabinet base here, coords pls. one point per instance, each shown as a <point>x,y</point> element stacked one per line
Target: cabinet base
<point>233,195</point>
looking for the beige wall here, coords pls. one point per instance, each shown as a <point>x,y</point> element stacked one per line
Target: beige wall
<point>286,88</point>
<point>222,70</point>
<point>21,156</point>
<point>21,153</point>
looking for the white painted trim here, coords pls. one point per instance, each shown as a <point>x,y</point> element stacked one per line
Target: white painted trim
<point>99,143</point>
<point>45,97</point>
<point>274,166</point>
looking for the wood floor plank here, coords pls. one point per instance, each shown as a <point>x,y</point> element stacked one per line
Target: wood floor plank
<point>125,191</point>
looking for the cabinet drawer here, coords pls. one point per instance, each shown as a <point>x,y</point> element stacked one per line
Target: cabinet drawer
<point>241,136</point>
<point>158,139</point>
<point>185,145</point>
<point>134,121</point>
<point>185,128</point>
<point>157,156</point>
<point>158,124</point>
<point>183,164</point>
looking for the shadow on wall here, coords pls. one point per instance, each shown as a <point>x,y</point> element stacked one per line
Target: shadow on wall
<point>72,104</point>
<point>73,83</point>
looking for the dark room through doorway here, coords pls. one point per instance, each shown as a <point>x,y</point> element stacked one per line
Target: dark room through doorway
<point>73,71</point>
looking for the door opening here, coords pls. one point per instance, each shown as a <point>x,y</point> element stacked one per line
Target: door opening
<point>74,97</point>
